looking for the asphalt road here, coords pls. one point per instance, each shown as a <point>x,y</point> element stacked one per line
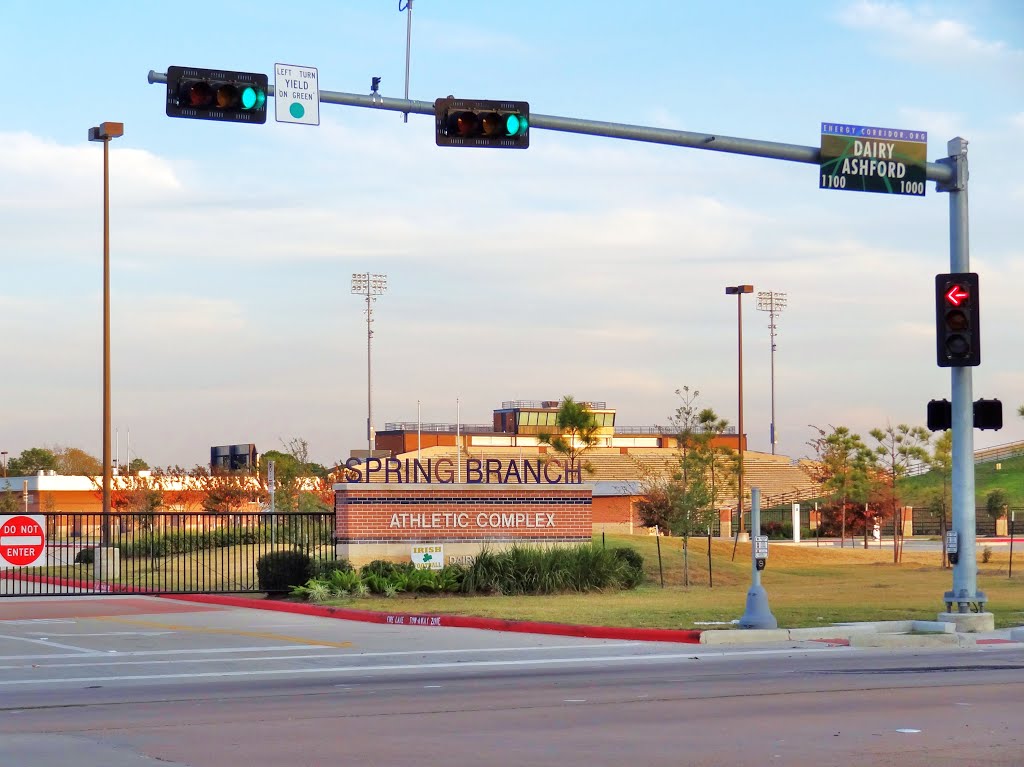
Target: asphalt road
<point>134,681</point>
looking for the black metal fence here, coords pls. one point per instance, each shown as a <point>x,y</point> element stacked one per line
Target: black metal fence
<point>778,522</point>
<point>163,553</point>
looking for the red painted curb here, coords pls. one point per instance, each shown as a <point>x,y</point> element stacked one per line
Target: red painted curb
<point>686,636</point>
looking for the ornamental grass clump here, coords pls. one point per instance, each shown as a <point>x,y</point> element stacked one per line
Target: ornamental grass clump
<point>537,570</point>
<point>517,570</point>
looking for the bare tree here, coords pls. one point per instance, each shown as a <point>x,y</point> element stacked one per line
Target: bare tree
<point>899,447</point>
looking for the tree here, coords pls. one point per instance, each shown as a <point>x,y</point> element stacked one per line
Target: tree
<point>73,462</point>
<point>288,472</point>
<point>941,461</point>
<point>183,490</point>
<point>577,433</point>
<point>722,459</point>
<point>32,460</point>
<point>8,500</point>
<point>898,447</point>
<point>136,465</point>
<point>843,470</point>
<point>683,500</point>
<point>299,484</point>
<point>996,503</point>
<point>231,493</point>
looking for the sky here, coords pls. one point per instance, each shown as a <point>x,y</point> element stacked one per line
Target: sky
<point>581,266</point>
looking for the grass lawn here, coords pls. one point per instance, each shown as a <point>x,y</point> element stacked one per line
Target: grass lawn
<point>806,586</point>
<point>1009,477</point>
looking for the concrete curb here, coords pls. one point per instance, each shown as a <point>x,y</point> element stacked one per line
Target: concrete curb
<point>684,636</point>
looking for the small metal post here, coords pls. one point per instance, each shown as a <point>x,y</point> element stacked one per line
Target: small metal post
<point>758,615</point>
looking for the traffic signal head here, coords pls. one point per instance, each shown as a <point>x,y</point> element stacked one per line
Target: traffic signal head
<point>988,414</point>
<point>957,331</point>
<point>940,415</point>
<point>476,122</point>
<point>216,94</point>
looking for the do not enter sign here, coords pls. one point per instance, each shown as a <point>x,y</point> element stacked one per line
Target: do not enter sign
<point>22,541</point>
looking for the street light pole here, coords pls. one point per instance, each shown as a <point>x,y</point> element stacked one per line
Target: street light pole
<point>738,291</point>
<point>369,285</point>
<point>773,303</point>
<point>3,454</point>
<point>104,133</point>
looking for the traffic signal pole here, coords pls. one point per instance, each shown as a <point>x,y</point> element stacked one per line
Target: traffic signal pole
<point>965,592</point>
<point>950,175</point>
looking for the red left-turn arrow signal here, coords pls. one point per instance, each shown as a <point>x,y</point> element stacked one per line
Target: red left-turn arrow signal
<point>957,295</point>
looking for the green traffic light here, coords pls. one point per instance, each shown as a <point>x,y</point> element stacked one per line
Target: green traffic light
<point>514,124</point>
<point>249,97</point>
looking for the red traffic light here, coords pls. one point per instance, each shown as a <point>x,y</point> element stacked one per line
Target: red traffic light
<point>956,295</point>
<point>957,320</point>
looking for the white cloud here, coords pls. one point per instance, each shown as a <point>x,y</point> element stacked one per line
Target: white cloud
<point>915,32</point>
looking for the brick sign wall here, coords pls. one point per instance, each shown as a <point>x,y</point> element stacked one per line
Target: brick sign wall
<point>382,520</point>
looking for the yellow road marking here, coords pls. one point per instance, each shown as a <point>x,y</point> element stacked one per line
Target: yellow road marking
<point>231,632</point>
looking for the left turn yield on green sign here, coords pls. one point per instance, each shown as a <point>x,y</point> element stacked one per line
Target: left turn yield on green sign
<point>22,541</point>
<point>296,94</point>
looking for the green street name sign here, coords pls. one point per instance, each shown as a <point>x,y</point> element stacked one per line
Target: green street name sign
<point>865,159</point>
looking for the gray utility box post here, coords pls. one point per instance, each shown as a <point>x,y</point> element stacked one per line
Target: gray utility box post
<point>758,615</point>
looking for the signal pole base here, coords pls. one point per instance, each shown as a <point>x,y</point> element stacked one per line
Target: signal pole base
<point>758,615</point>
<point>969,623</point>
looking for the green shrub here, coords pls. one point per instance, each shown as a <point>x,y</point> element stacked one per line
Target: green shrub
<point>779,531</point>
<point>376,584</point>
<point>386,569</point>
<point>281,571</point>
<point>322,568</point>
<point>449,578</point>
<point>632,573</point>
<point>85,557</point>
<point>342,582</point>
<point>631,556</point>
<point>315,590</point>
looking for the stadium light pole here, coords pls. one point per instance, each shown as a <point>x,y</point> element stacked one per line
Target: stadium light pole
<point>104,132</point>
<point>370,286</point>
<point>773,303</point>
<point>738,291</point>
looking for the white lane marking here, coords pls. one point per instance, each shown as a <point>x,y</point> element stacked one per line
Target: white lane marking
<point>37,620</point>
<point>248,659</point>
<point>575,700</point>
<point>81,650</point>
<point>139,653</point>
<point>907,730</point>
<point>199,651</point>
<point>110,634</point>
<point>362,669</point>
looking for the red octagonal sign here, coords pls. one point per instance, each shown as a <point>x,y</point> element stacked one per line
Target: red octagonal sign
<point>22,541</point>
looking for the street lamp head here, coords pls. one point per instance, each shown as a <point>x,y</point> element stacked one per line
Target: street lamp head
<point>734,289</point>
<point>106,131</point>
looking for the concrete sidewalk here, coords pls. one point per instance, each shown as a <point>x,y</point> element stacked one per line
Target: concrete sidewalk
<point>893,634</point>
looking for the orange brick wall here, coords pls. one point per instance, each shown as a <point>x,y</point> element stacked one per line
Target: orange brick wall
<point>384,513</point>
<point>614,509</point>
